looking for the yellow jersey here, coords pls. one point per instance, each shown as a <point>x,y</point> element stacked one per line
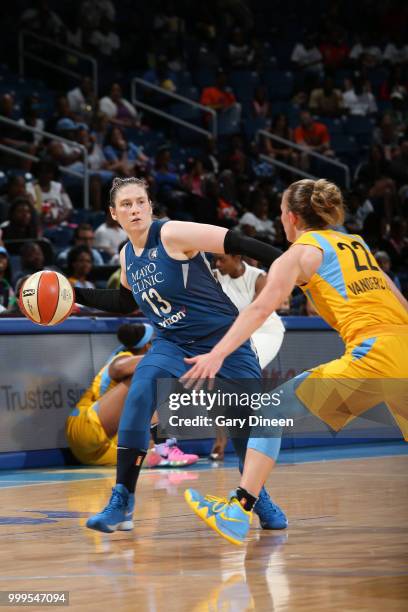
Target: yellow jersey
<point>349,290</point>
<point>101,383</point>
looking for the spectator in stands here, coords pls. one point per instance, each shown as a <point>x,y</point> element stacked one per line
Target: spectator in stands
<point>72,157</point>
<point>358,98</point>
<point>192,180</point>
<point>12,136</point>
<point>312,135</point>
<point>32,260</point>
<point>396,51</point>
<point>63,111</point>
<point>366,53</point>
<point>167,183</point>
<point>386,136</point>
<point>82,100</point>
<point>76,33</point>
<point>105,40</point>
<point>22,223</point>
<point>101,171</point>
<point>396,82</point>
<point>257,223</point>
<point>93,11</point>
<point>334,50</point>
<point>375,175</point>
<point>210,156</point>
<point>31,106</point>
<point>83,236</point>
<point>220,98</point>
<point>7,296</point>
<point>51,201</point>
<point>358,209</point>
<point>16,187</point>
<point>384,261</point>
<point>65,154</point>
<point>240,54</point>
<point>79,267</point>
<point>396,244</point>
<point>399,112</point>
<point>163,77</point>
<point>399,166</point>
<point>306,56</point>
<point>260,104</point>
<point>124,157</point>
<point>109,235</point>
<point>42,20</point>
<point>217,210</point>
<point>119,110</point>
<point>283,152</point>
<point>326,101</point>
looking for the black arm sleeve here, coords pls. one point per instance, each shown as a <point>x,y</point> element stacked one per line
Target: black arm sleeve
<point>119,301</point>
<point>236,244</point>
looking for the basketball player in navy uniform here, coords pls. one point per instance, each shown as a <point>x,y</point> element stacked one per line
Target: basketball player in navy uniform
<point>164,271</point>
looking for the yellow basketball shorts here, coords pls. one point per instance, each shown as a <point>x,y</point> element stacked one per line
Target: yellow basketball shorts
<point>87,438</point>
<point>371,372</point>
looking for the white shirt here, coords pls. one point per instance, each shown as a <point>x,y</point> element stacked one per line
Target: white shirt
<point>107,106</point>
<point>303,57</point>
<point>39,125</point>
<point>362,104</point>
<point>76,100</point>
<point>394,55</point>
<point>55,203</point>
<point>358,49</point>
<point>106,43</point>
<point>241,291</point>
<point>109,238</point>
<point>265,226</point>
<point>363,211</point>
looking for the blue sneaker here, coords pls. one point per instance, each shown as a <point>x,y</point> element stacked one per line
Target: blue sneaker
<point>270,515</point>
<point>227,518</point>
<point>118,514</point>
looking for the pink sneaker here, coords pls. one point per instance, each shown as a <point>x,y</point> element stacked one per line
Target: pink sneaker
<point>169,454</point>
<point>153,458</point>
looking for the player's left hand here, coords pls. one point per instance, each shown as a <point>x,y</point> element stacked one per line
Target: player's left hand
<point>204,367</point>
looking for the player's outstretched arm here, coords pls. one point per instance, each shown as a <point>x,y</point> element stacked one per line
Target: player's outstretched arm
<point>281,280</point>
<point>296,266</point>
<point>118,301</point>
<point>189,238</point>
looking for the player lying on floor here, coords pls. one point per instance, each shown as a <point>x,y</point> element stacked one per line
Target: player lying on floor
<point>92,426</point>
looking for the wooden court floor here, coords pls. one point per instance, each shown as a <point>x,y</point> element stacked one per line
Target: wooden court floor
<point>346,548</point>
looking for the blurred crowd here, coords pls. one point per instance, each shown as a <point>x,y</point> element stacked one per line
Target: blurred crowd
<point>341,93</point>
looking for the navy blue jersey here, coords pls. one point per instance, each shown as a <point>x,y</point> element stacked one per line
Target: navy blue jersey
<point>181,298</point>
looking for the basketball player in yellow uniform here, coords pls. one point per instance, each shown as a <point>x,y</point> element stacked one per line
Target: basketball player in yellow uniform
<point>341,277</point>
<point>92,426</point>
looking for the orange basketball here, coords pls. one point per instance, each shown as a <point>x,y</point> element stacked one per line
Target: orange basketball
<point>47,298</point>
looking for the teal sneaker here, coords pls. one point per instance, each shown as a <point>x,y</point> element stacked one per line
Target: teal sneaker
<point>227,517</point>
<point>118,514</point>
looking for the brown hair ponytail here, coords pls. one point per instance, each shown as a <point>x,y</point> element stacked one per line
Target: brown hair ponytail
<point>319,203</point>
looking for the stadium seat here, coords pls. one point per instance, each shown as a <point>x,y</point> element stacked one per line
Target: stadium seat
<point>251,126</point>
<point>279,84</point>
<point>243,84</point>
<point>335,126</point>
<point>361,128</point>
<point>59,236</point>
